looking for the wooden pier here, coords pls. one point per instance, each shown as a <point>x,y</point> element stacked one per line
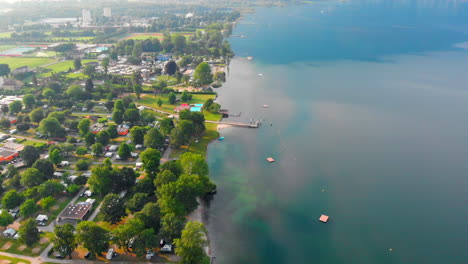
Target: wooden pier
<point>255,124</point>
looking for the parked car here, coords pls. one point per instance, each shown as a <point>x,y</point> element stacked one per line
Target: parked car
<point>58,256</point>
<point>166,248</point>
<point>149,254</point>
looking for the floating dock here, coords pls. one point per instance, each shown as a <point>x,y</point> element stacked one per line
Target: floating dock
<point>323,218</point>
<point>270,159</point>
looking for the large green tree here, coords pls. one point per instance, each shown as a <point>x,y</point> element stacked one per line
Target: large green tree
<point>83,126</point>
<point>124,151</point>
<point>77,63</point>
<point>36,115</point>
<point>15,107</point>
<point>28,232</point>
<point>6,219</point>
<point>29,101</point>
<point>190,247</point>
<point>202,74</point>
<point>103,137</point>
<point>52,127</point>
<point>29,155</point>
<point>113,208</point>
<point>64,239</point>
<point>151,159</point>
<point>192,163</point>
<point>32,177</point>
<point>46,167</point>
<point>92,237</point>
<point>179,197</point>
<point>28,208</point>
<point>137,134</point>
<point>137,202</point>
<point>153,139</point>
<point>123,233</point>
<point>150,215</point>
<point>4,69</point>
<point>11,199</point>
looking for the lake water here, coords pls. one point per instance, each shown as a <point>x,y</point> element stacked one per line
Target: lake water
<point>368,122</point>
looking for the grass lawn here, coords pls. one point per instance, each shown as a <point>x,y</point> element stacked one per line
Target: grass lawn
<point>15,62</point>
<point>14,260</point>
<point>6,47</point>
<point>151,101</point>
<point>33,143</point>
<point>5,34</point>
<point>62,66</point>
<point>58,39</point>
<point>211,133</point>
<point>11,245</point>
<point>60,204</point>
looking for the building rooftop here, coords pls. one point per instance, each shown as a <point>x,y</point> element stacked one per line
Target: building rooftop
<point>75,211</point>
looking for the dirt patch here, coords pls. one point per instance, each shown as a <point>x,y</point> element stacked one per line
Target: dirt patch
<point>22,247</point>
<point>4,261</point>
<point>7,245</point>
<point>43,240</point>
<point>55,207</point>
<point>21,263</point>
<point>36,250</point>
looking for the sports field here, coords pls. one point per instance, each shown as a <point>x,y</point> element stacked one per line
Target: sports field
<point>15,62</point>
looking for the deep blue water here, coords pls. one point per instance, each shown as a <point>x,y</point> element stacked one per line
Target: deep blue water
<point>368,123</point>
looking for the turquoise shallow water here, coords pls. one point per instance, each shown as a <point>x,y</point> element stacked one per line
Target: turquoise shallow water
<point>367,120</point>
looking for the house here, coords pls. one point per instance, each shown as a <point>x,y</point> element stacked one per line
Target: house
<point>182,107</point>
<point>10,84</point>
<point>10,232</point>
<point>7,155</point>
<point>21,69</point>
<point>113,148</point>
<point>13,146</point>
<point>75,212</point>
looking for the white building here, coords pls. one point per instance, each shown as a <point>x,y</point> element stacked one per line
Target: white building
<point>86,16</point>
<point>107,12</point>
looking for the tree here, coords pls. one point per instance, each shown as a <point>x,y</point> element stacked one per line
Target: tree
<point>101,179</point>
<point>52,127</point>
<point>15,107</point>
<point>146,240</point>
<point>113,208</point>
<point>153,139</point>
<point>29,155</point>
<point>117,116</point>
<point>131,115</point>
<point>55,156</point>
<point>6,219</point>
<point>185,97</point>
<point>89,85</point>
<point>77,63</point>
<point>124,179</point>
<point>28,208</point>
<point>36,115</point>
<point>47,202</point>
<point>11,199</point>
<point>105,64</point>
<point>170,68</point>
<point>112,131</point>
<point>179,42</point>
<point>164,177</point>
<point>191,244</point>
<point>202,74</point>
<point>64,239</point>
<point>32,177</point>
<point>92,237</point>
<point>150,215</point>
<point>4,69</point>
<point>90,139</point>
<point>172,225</point>
<point>137,89</point>
<point>81,151</point>
<point>137,202</point>
<point>220,76</point>
<point>119,105</point>
<point>124,151</point>
<point>66,148</point>
<point>179,197</point>
<point>89,70</point>
<point>29,101</point>
<point>44,166</point>
<point>123,233</point>
<point>28,232</point>
<point>23,126</point>
<point>177,138</point>
<point>75,92</point>
<point>103,137</point>
<point>166,125</point>
<point>5,123</point>
<point>137,134</point>
<point>83,126</point>
<point>159,102</point>
<point>97,149</point>
<point>193,164</point>
<point>151,159</point>
<point>172,98</point>
<point>82,164</point>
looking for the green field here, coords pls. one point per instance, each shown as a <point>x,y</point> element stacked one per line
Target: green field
<point>144,36</point>
<point>15,62</point>
<point>11,260</point>
<point>62,66</point>
<point>6,47</point>
<point>5,34</point>
<point>210,134</point>
<point>16,247</point>
<point>151,101</point>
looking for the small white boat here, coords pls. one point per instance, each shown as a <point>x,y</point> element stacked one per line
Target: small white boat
<point>266,106</point>
<point>250,58</point>
<point>260,74</point>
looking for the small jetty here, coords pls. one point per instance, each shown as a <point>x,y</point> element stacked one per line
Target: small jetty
<point>323,218</point>
<point>252,124</point>
<point>270,159</point>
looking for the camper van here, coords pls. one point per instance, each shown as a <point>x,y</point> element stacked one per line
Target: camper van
<point>110,254</point>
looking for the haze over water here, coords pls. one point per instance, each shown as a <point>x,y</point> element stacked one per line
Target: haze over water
<point>368,121</point>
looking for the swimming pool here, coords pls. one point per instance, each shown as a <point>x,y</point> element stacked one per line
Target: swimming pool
<point>195,109</point>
